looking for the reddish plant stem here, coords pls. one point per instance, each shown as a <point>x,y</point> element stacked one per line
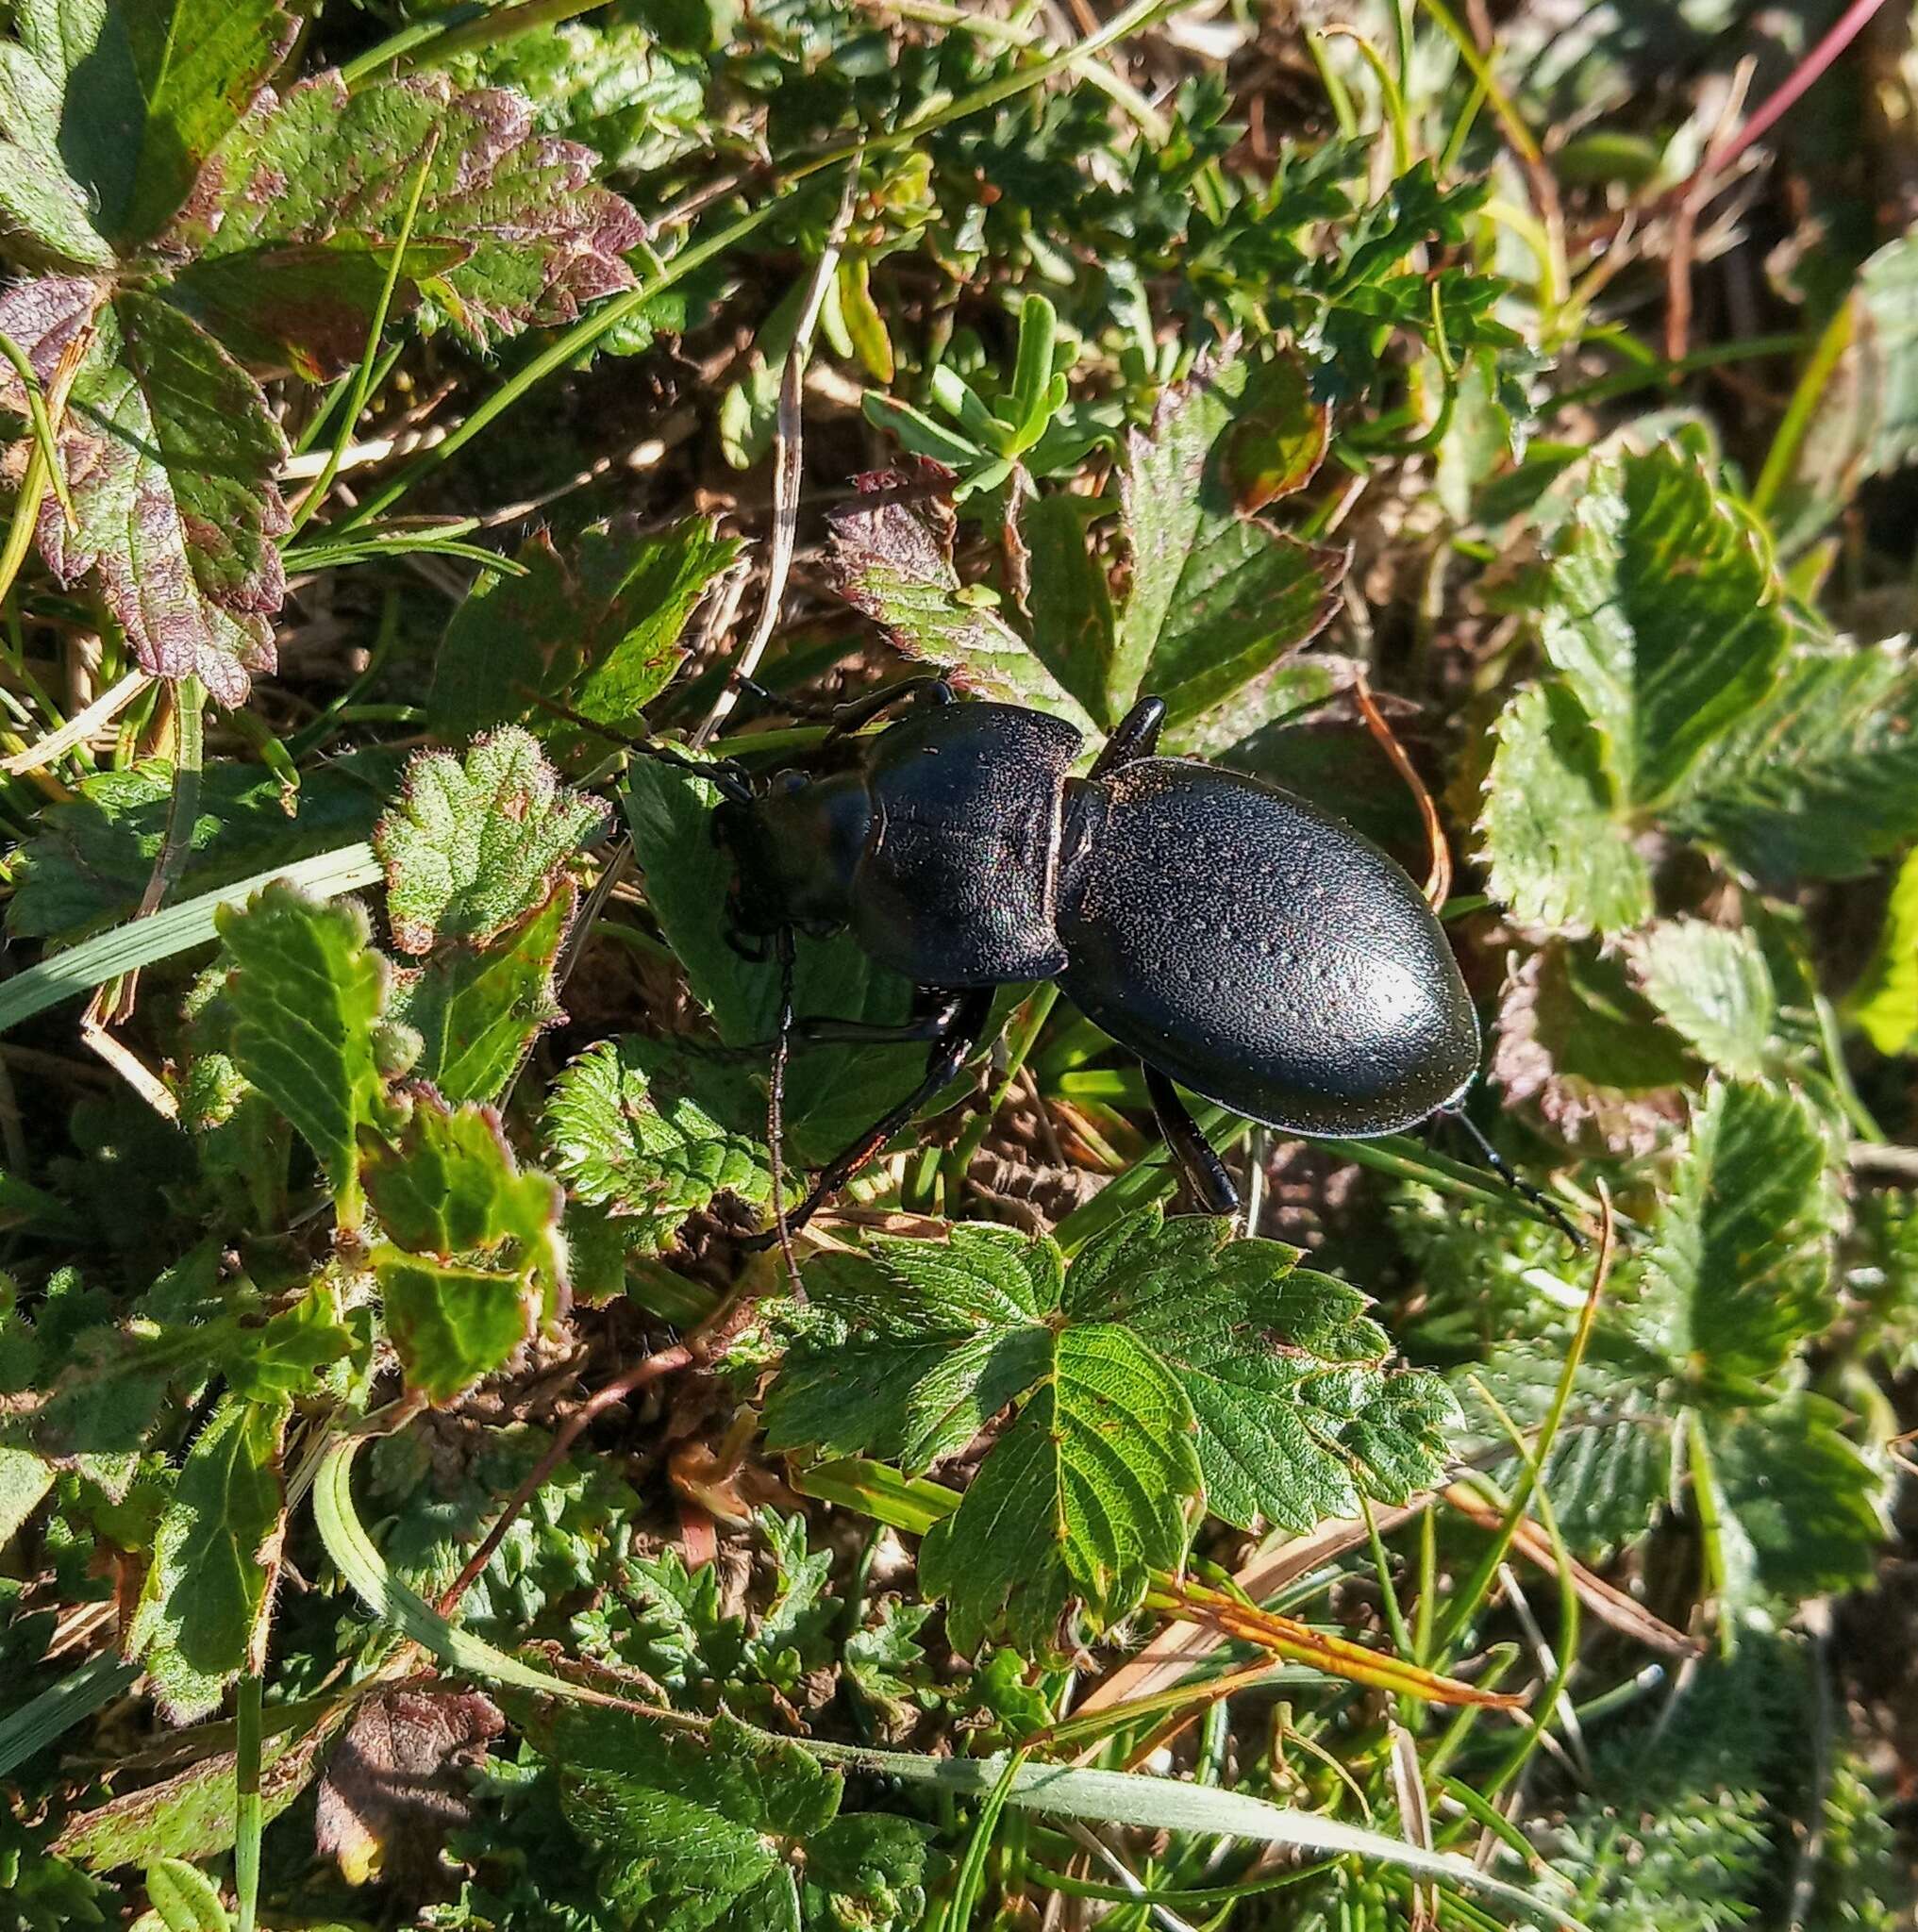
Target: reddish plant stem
<point>1845,29</point>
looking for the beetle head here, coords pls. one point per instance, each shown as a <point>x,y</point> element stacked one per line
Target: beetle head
<point>793,848</point>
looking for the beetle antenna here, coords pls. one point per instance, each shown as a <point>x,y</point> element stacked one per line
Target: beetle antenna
<point>728,777</point>
<point>1520,1187</point>
<point>775,1103</point>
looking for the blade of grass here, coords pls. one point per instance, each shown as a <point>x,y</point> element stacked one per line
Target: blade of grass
<point>179,929</point>
<point>55,1711</point>
<point>249,1812</point>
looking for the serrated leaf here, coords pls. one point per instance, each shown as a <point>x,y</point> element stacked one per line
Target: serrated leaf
<point>203,1611</point>
<point>170,454</point>
<point>1712,987</point>
<point>1298,1413</point>
<point>911,1348</point>
<point>1581,1042</point>
<point>448,1185</point>
<point>1884,1003</point>
<point>478,1009</point>
<point>1079,1501</point>
<point>304,995</point>
<point>1216,597</point>
<point>1808,1507</point>
<point>893,560</point>
<point>476,844</point>
<point>651,1158</point>
<point>1739,1268</point>
<point>705,1830</point>
<point>598,627</point>
<point>1662,610</point>
<point>451,1324</point>
<point>519,232</point>
<point>93,854</point>
<point>1552,845</point>
<point>185,1898</point>
<point>1822,780</point>
<point>43,208</point>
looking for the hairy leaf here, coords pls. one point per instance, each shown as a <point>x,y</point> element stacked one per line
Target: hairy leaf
<point>1884,1003</point>
<point>304,995</point>
<point>1663,613</point>
<point>1739,1271</point>
<point>597,627</point>
<point>478,1009</point>
<point>476,844</point>
<point>1216,596</point>
<point>509,230</point>
<point>1298,1412</point>
<point>650,1161</point>
<point>1822,780</point>
<point>170,454</point>
<point>208,1591</point>
<point>1712,987</point>
<point>892,559</point>
<point>451,1324</point>
<point>1549,837</point>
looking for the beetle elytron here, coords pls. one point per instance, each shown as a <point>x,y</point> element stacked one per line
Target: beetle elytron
<point>1244,943</point>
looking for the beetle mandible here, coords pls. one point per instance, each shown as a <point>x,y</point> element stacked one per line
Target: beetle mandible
<point>1242,942</point>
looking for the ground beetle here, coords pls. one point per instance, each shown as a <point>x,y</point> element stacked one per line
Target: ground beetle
<point>1244,943</point>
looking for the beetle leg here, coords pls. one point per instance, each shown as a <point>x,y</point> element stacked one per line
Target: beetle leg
<point>1190,1149</point>
<point>965,1019</point>
<point>909,694</point>
<point>1135,736</point>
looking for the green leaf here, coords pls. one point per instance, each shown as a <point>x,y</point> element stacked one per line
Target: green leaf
<point>509,225</point>
<point>1884,1003</point>
<point>650,1161</point>
<point>909,1349</point>
<point>706,1830</point>
<point>1298,1413</point>
<point>834,1092</point>
<point>42,209</point>
<point>94,854</point>
<point>170,454</point>
<point>1712,987</point>
<point>1822,780</point>
<point>148,88</point>
<point>598,628</point>
<point>476,844</point>
<point>448,1184</point>
<point>478,1009</point>
<point>1549,838</point>
<point>894,561</point>
<point>1739,1270</point>
<point>1579,1039</point>
<point>1070,599</point>
<point>1278,438</point>
<point>185,1897</point>
<point>304,993</point>
<point>1216,597</point>
<point>1662,610</point>
<point>451,1324</point>
<point>1807,1505</point>
<point>202,1612</point>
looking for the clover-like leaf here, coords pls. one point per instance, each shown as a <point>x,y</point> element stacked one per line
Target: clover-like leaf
<point>209,1589</point>
<point>476,844</point>
<point>304,997</point>
<point>650,1157</point>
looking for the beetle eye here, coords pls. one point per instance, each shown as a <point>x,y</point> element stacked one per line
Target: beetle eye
<point>790,784</point>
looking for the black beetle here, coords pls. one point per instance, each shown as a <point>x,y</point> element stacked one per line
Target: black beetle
<point>1239,941</point>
